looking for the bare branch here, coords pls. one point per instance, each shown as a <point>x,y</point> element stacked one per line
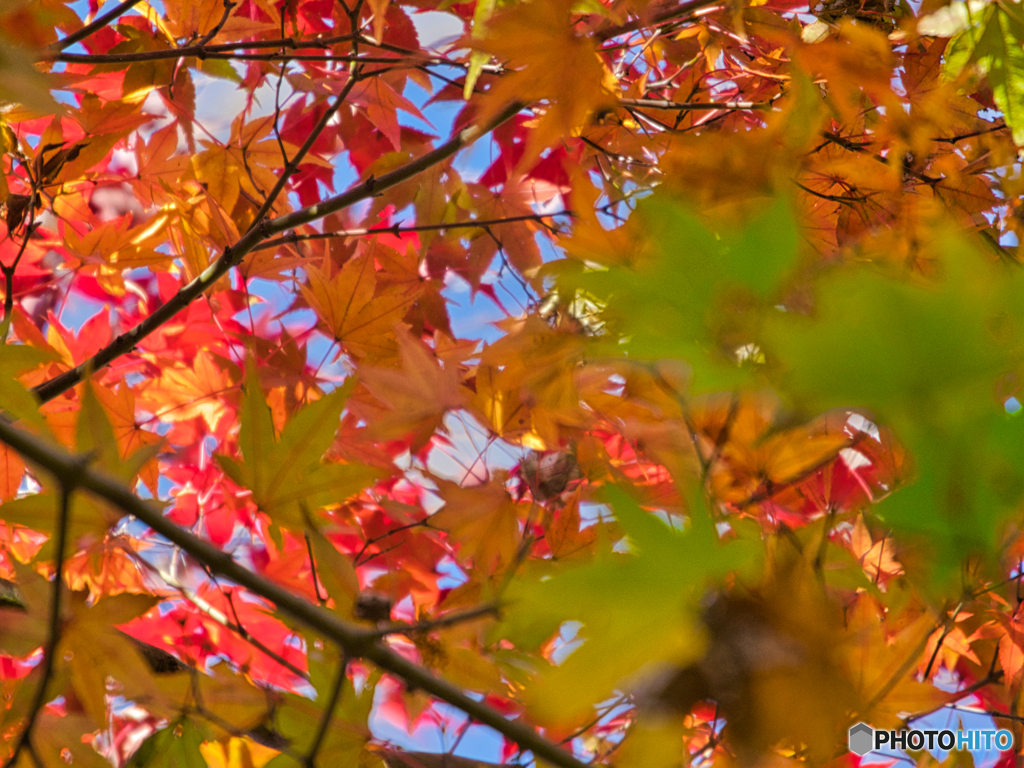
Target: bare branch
<point>218,616</point>
<point>472,614</point>
<point>396,230</point>
<point>247,243</point>
<point>201,52</point>
<point>293,165</point>
<point>97,24</point>
<point>71,472</point>
<point>663,16</point>
<point>705,106</point>
<point>354,641</point>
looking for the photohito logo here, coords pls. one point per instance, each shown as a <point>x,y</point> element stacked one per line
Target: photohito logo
<point>863,739</point>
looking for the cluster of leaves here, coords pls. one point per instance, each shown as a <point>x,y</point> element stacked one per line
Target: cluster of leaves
<point>739,468</point>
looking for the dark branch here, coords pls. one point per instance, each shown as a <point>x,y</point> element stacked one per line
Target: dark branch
<point>397,230</point>
<point>694,105</point>
<point>293,165</point>
<point>97,24</point>
<point>247,243</point>
<point>66,478</point>
<point>472,614</point>
<point>661,17</point>
<point>354,641</point>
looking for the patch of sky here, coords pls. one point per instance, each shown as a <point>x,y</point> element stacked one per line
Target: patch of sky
<point>568,640</point>
<point>218,101</point>
<point>164,485</point>
<point>476,742</point>
<point>452,575</point>
<point>470,453</point>
<point>73,314</point>
<point>437,30</point>
<point>965,715</point>
<point>265,296</point>
<point>592,513</point>
<point>472,314</point>
<point>322,354</point>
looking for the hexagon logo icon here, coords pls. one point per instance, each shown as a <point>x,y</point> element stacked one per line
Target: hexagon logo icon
<point>861,738</point>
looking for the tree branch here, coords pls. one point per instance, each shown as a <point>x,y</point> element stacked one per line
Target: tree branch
<point>203,52</point>
<point>97,24</point>
<point>694,105</point>
<point>661,17</point>
<point>53,639</point>
<point>325,721</point>
<point>233,255</point>
<point>396,230</point>
<point>199,51</point>
<point>354,641</point>
<point>218,616</point>
<point>293,164</point>
<point>862,149</point>
<point>471,614</point>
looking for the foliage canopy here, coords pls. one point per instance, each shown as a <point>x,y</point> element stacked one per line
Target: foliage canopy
<point>737,465</point>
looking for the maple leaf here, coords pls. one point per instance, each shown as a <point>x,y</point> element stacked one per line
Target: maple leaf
<point>418,393</point>
<point>350,306</point>
<point>184,392</point>
<point>551,63</point>
<point>992,42</point>
<point>703,226</point>
<point>284,472</point>
<point>483,519</point>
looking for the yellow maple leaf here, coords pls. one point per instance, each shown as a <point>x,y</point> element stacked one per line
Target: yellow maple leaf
<point>419,393</point>
<point>551,64</point>
<point>184,392</point>
<point>349,305</point>
<point>483,519</point>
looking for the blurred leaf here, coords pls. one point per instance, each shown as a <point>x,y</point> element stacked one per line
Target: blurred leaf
<point>173,746</point>
<point>636,609</point>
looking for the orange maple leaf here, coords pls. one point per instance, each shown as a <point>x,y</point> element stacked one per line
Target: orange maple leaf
<point>419,393</point>
<point>350,307</point>
<point>551,64</point>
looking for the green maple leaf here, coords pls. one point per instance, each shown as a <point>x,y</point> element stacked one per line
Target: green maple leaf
<point>636,608</point>
<point>994,42</point>
<point>284,472</point>
<point>923,359</point>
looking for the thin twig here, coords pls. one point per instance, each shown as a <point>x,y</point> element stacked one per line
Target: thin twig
<point>97,24</point>
<point>694,105</point>
<point>292,166</point>
<point>661,17</point>
<point>233,255</point>
<point>229,6</point>
<point>332,701</point>
<point>215,614</point>
<point>312,570</point>
<point>355,641</point>
<point>862,149</point>
<point>946,629</point>
<point>488,609</point>
<point>200,52</point>
<point>54,632</point>
<point>832,198</point>
<point>397,230</point>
